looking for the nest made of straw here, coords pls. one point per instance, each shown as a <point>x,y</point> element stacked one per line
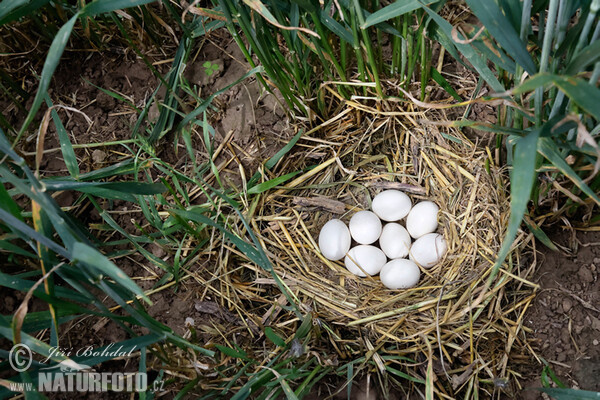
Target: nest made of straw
<point>453,329</point>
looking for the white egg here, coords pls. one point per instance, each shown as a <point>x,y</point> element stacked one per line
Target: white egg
<point>391,205</point>
<point>422,219</point>
<point>428,250</point>
<point>400,274</point>
<point>334,240</point>
<point>369,258</point>
<point>394,240</point>
<point>365,227</point>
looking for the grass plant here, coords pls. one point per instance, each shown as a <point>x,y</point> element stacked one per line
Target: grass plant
<point>303,45</point>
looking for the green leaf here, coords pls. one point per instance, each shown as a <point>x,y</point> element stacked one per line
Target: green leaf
<point>19,226</point>
<point>12,10</point>
<point>570,394</point>
<point>138,188</point>
<point>14,249</point>
<point>104,6</point>
<point>587,56</point>
<point>289,393</point>
<point>522,177</point>
<point>92,257</point>
<point>200,109</point>
<point>123,168</point>
<point>440,80</point>
<point>393,10</point>
<point>503,32</point>
<point>475,59</point>
<point>245,247</point>
<point>9,204</point>
<point>336,27</point>
<point>403,375</point>
<point>275,159</point>
<point>580,91</point>
<point>263,187</point>
<point>305,327</point>
<point>540,235</point>
<point>54,54</point>
<point>232,353</point>
<point>548,148</point>
<point>273,337</point>
<point>65,143</point>
<point>284,150</point>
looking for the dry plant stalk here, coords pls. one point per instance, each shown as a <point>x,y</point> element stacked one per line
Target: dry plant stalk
<point>470,347</point>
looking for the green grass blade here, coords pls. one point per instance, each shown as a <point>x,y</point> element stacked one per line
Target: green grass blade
<point>522,178</point>
<point>122,168</point>
<point>503,32</point>
<point>263,187</point>
<point>336,27</point>
<point>14,249</point>
<point>584,94</point>
<point>92,257</point>
<point>273,337</point>
<point>580,91</point>
<point>570,394</point>
<point>104,6</point>
<point>547,147</point>
<point>244,247</point>
<point>476,61</point>
<point>284,150</point>
<point>200,109</point>
<point>54,54</point>
<point>393,10</point>
<point>540,235</point>
<point>533,83</point>
<point>289,393</point>
<point>66,147</point>
<point>137,188</point>
<point>7,6</point>
<point>7,203</point>
<point>25,229</point>
<point>232,353</point>
<point>588,56</point>
<point>440,80</point>
<point>403,375</point>
<point>12,10</point>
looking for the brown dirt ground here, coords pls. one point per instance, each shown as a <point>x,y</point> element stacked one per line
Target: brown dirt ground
<point>564,318</point>
<point>565,315</point>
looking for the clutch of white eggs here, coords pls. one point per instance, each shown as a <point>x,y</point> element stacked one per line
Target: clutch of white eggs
<point>395,240</point>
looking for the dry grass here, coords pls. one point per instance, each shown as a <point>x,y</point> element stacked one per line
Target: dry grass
<point>460,335</point>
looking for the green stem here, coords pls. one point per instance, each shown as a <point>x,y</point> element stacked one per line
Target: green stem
<point>367,42</point>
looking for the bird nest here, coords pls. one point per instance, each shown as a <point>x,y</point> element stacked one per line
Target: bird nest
<point>460,329</point>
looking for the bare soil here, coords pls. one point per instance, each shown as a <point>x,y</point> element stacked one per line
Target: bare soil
<point>565,315</point>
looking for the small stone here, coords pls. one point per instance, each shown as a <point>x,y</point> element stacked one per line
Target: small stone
<point>595,342</point>
<point>585,275</point>
<point>567,304</point>
<point>9,302</point>
<point>596,323</point>
<point>98,156</point>
<point>157,251</point>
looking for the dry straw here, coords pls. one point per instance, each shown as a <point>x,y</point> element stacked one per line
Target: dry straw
<point>452,331</point>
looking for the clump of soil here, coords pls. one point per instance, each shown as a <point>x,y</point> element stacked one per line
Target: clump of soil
<point>565,316</point>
